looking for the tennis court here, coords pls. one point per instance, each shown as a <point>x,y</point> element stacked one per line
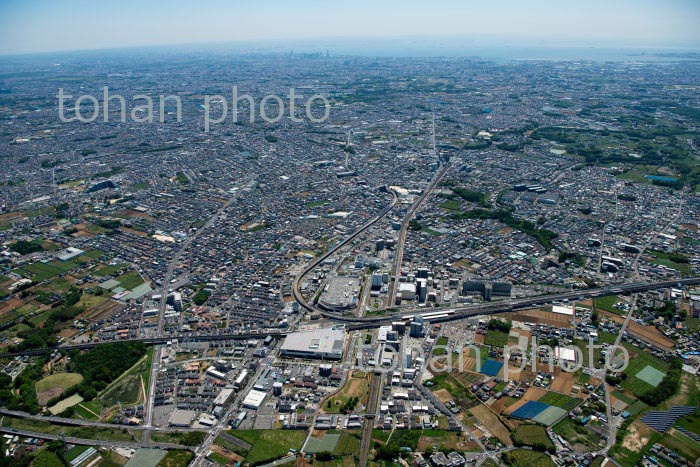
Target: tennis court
<point>550,415</point>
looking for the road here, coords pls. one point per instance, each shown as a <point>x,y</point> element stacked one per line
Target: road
<point>202,450</point>
<point>613,421</point>
<point>92,442</point>
<point>355,323</point>
<point>296,283</point>
<point>375,392</point>
<point>401,241</point>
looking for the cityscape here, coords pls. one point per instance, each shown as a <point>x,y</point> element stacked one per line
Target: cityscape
<point>227,255</point>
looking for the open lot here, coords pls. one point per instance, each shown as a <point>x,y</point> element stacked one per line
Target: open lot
<point>269,444</point>
<point>531,435</point>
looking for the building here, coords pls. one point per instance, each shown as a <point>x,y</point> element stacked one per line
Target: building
<point>182,418</point>
<point>417,327</point>
<point>254,399</point>
<point>70,253</point>
<point>324,343</point>
<point>407,290</point>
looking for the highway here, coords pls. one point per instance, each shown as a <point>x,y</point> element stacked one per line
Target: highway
<point>296,283</point>
<point>398,258</point>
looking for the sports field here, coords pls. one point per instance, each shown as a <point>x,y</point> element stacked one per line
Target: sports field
<point>54,385</point>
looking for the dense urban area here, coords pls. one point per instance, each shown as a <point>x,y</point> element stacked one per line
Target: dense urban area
<point>468,263</point>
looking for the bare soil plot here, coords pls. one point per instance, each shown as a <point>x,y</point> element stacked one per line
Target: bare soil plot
<point>443,395</point>
<point>492,423</point>
<point>10,305</point>
<point>648,334</point>
<point>563,381</point>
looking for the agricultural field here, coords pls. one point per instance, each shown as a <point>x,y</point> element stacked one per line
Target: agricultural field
<point>176,458</point>
<point>560,400</point>
<point>267,445</point>
<point>496,338</point>
<point>522,457</point>
<point>637,369</point>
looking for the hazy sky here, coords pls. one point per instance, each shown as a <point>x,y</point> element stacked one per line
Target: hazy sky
<point>50,25</point>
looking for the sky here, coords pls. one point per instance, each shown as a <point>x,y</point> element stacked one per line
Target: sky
<point>28,26</point>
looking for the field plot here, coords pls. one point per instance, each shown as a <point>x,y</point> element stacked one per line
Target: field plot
<point>492,423</point>
<point>532,394</point>
<point>527,457</point>
<point>560,400</point>
<point>580,438</point>
<point>496,338</point>
<point>445,440</point>
<point>60,406</point>
<point>532,435</point>
<point>54,385</point>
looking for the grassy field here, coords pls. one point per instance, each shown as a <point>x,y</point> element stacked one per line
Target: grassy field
<point>607,303</point>
<point>55,384</point>
<point>176,458</point>
<point>46,458</point>
<point>357,386</point>
<point>348,444</point>
<point>576,434</point>
<point>267,445</point>
<point>522,457</point>
<point>130,280</point>
<point>638,363</point>
<point>440,345</point>
<point>530,435</point>
<point>451,205</point>
<point>661,258</point>
<point>496,338</point>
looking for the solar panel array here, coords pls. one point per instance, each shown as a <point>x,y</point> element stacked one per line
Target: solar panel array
<point>661,421</point>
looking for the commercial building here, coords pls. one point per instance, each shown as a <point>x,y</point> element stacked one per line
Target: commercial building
<point>254,399</point>
<point>340,294</point>
<point>325,343</point>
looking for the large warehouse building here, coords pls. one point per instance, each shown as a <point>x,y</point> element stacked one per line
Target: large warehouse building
<point>326,343</point>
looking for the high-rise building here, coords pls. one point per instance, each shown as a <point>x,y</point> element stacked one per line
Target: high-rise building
<point>417,327</point>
